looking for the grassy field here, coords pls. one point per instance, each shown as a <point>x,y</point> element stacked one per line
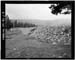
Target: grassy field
<point>37,42</point>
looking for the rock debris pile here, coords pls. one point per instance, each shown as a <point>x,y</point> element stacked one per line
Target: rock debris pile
<point>53,34</point>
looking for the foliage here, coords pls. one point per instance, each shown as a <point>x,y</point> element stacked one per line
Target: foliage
<point>59,6</point>
<point>9,24</point>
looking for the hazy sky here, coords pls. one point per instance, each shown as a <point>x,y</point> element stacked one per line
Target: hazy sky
<point>32,11</point>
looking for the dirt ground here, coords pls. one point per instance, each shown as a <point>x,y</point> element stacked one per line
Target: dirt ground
<point>21,45</point>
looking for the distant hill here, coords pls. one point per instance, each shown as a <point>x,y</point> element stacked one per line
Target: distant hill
<point>45,22</point>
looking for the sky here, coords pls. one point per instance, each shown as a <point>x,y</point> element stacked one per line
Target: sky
<point>33,11</point>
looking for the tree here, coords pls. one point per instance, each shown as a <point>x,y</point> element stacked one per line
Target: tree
<point>15,23</point>
<point>59,6</point>
<point>8,23</point>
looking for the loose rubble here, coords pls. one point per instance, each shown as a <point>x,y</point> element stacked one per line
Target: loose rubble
<point>53,34</point>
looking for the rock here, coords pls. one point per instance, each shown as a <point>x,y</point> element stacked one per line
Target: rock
<point>54,43</point>
<point>14,49</point>
<point>59,56</point>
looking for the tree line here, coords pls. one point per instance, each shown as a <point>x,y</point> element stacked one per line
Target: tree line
<point>9,24</point>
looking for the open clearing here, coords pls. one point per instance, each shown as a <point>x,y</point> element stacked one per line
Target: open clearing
<point>19,44</point>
